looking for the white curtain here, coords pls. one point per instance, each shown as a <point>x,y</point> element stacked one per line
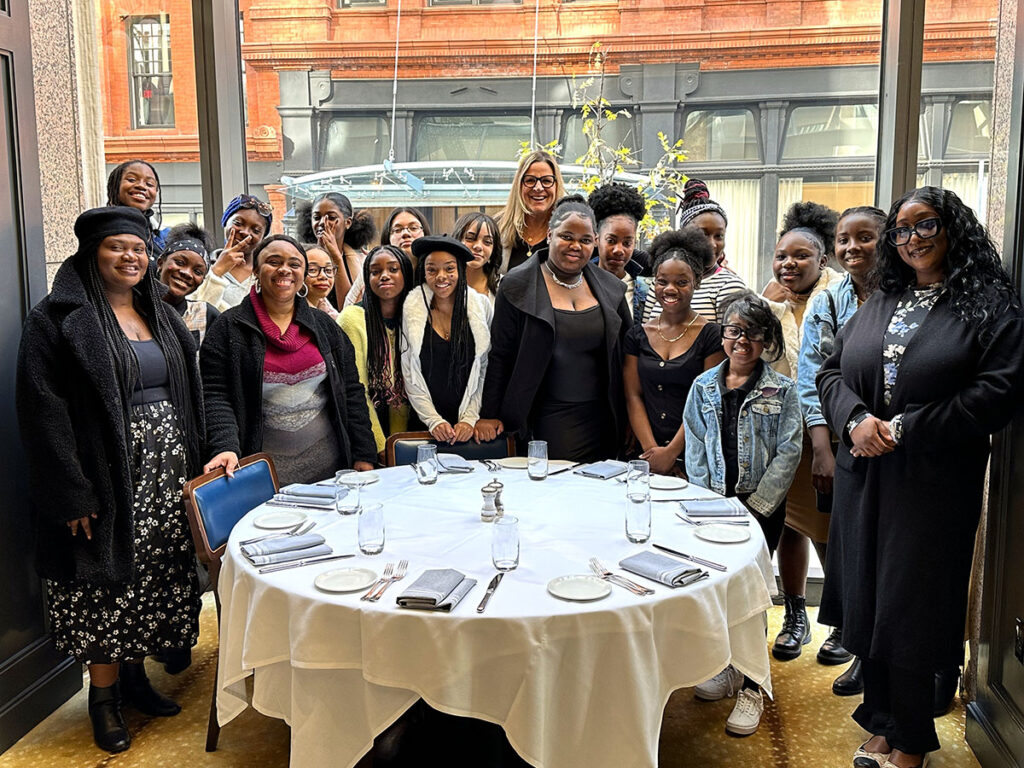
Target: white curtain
<point>966,187</point>
<point>790,191</point>
<point>741,199</point>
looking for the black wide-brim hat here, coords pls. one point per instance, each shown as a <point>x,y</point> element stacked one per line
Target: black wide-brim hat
<point>424,246</point>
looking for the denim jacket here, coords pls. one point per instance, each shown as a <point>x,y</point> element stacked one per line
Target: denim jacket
<point>821,325</point>
<point>768,440</point>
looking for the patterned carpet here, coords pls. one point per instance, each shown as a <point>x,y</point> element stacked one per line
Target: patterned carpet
<point>806,726</point>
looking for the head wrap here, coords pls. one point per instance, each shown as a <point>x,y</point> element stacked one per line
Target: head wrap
<point>186,244</point>
<point>251,203</point>
<point>697,200</point>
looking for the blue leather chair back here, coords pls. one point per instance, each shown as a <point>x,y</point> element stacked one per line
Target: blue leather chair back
<point>223,501</point>
<point>406,443</point>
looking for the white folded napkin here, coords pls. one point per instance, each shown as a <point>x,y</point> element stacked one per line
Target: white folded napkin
<point>729,507</point>
<point>661,569</point>
<point>292,554</point>
<point>602,470</point>
<point>437,589</point>
<point>308,501</point>
<point>313,491</point>
<point>282,544</point>
<point>452,462</point>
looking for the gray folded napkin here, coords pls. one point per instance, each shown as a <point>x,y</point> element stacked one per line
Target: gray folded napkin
<point>661,569</point>
<point>602,470</point>
<point>314,491</point>
<point>292,554</point>
<point>451,462</point>
<point>437,589</point>
<point>282,544</point>
<point>308,501</point>
<point>730,507</point>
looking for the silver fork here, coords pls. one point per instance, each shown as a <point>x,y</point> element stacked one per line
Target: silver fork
<point>637,589</point>
<point>296,530</point>
<point>388,570</point>
<point>492,466</point>
<point>403,566</point>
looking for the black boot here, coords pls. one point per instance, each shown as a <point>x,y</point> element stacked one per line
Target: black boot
<point>832,652</point>
<point>176,660</point>
<point>108,728</point>
<point>796,630</point>
<point>139,692</point>
<point>851,682</point>
<point>946,683</point>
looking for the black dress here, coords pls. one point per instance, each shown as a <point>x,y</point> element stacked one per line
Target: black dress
<point>446,393</point>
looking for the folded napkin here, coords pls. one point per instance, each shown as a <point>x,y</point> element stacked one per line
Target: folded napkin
<point>282,544</point>
<point>313,491</point>
<point>293,554</point>
<point>451,462</point>
<point>602,470</point>
<point>323,502</point>
<point>662,569</point>
<point>730,507</point>
<point>437,589</point>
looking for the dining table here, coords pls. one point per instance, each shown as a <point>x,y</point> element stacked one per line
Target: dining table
<point>571,683</point>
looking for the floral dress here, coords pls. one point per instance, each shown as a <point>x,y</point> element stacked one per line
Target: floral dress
<point>911,310</point>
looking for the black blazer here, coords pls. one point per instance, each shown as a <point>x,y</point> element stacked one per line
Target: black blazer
<point>522,336</point>
<point>72,425</point>
<point>232,362</point>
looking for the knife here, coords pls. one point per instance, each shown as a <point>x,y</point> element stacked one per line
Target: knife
<point>299,505</point>
<point>490,591</point>
<point>565,469</point>
<point>299,563</point>
<point>698,560</point>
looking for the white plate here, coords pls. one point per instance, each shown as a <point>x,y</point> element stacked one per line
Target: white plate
<point>722,534</point>
<point>666,483</point>
<point>558,463</point>
<point>345,580</point>
<point>513,462</point>
<point>580,589</point>
<point>359,478</point>
<point>286,518</point>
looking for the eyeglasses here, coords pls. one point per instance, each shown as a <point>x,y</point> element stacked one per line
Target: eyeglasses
<point>547,182</point>
<point>734,332</point>
<point>925,229</point>
<point>412,229</point>
<point>316,271</point>
<point>262,208</point>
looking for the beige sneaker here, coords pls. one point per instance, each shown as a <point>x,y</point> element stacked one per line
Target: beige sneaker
<point>746,714</point>
<point>721,686</point>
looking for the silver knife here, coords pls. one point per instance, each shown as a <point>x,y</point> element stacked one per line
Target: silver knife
<point>698,560</point>
<point>565,469</point>
<point>299,505</point>
<point>299,563</point>
<point>490,591</point>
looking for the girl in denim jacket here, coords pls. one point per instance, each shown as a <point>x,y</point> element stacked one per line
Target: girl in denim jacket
<point>743,438</point>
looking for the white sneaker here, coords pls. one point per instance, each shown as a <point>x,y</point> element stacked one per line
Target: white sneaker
<point>721,686</point>
<point>746,714</point>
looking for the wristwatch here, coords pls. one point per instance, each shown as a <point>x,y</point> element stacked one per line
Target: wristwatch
<point>896,427</point>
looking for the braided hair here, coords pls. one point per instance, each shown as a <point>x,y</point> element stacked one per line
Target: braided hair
<point>114,191</point>
<point>696,201</point>
<point>384,383</point>
<point>460,336</point>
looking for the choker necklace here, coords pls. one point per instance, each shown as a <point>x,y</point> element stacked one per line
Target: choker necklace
<point>569,286</point>
<point>677,338</point>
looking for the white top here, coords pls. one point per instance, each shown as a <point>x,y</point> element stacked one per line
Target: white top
<point>223,291</point>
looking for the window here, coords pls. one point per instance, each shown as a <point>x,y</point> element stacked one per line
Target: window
<point>360,3</point>
<point>491,137</point>
<point>354,141</point>
<point>722,134</point>
<point>970,129</point>
<point>616,133</point>
<point>838,130</point>
<point>475,2</point>
<point>152,89</point>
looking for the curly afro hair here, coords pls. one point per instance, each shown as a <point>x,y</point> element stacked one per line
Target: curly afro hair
<point>688,245</point>
<point>980,291</point>
<point>304,221</point>
<point>755,312</point>
<point>819,220</point>
<point>617,199</point>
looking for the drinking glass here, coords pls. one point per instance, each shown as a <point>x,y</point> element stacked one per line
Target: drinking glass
<point>346,491</point>
<point>505,543</point>
<point>638,502</point>
<point>537,460</point>
<point>426,464</point>
<point>371,529</point>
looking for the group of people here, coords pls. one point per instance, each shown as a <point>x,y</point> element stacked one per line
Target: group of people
<point>817,403</point>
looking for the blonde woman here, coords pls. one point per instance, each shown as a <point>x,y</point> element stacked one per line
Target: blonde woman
<point>523,223</point>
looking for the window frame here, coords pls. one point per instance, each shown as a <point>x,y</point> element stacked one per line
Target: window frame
<point>163,20</point>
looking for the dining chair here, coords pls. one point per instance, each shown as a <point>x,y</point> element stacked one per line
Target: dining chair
<point>214,502</point>
<point>400,448</point>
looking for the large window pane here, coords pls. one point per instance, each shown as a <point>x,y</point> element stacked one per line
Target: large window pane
<point>620,132</point>
<point>149,51</point>
<point>356,141</point>
<point>446,139</point>
<point>840,130</point>
<point>970,129</point>
<point>721,134</point>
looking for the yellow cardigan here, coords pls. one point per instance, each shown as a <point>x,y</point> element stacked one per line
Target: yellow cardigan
<point>353,322</point>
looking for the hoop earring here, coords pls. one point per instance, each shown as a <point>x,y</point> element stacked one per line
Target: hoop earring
<point>304,292</point>
<point>257,287</point>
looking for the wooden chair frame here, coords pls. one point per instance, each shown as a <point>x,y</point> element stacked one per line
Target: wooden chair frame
<point>389,444</point>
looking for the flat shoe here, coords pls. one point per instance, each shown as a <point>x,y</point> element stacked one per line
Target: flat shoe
<point>864,759</point>
<point>922,764</point>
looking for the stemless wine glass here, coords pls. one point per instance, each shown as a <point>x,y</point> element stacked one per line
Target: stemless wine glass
<point>371,529</point>
<point>346,491</point>
<point>505,543</point>
<point>638,502</point>
<point>426,464</point>
<point>537,460</point>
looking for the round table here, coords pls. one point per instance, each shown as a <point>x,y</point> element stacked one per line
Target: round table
<point>571,683</point>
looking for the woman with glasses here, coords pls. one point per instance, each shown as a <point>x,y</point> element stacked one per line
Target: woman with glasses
<point>246,222</point>
<point>921,377</point>
<point>402,226</point>
<point>524,220</point>
<point>320,275</point>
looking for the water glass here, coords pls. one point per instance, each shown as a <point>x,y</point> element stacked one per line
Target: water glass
<point>346,492</point>
<point>537,460</point>
<point>426,464</point>
<point>505,543</point>
<point>371,529</point>
<point>638,502</point>
<point>638,480</point>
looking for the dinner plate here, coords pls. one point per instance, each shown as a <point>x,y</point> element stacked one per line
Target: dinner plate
<point>722,534</point>
<point>520,462</point>
<point>667,483</point>
<point>284,518</point>
<point>364,478</point>
<point>579,589</point>
<point>345,580</point>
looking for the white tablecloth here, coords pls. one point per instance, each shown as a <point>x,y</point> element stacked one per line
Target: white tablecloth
<point>572,684</point>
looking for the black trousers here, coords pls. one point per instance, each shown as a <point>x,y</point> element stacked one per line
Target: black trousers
<point>898,705</point>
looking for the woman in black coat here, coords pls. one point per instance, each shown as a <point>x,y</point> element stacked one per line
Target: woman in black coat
<point>111,416</point>
<point>280,376</point>
<point>555,368</point>
<point>921,377</point>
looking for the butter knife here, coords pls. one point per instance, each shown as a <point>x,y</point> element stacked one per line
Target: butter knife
<point>299,563</point>
<point>698,560</point>
<point>490,591</point>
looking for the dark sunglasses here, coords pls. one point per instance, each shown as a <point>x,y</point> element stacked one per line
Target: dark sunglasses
<point>263,209</point>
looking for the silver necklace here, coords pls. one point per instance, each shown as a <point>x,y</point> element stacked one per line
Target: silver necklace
<point>569,286</point>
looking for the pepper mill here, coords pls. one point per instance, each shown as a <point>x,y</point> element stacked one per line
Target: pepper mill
<point>490,494</point>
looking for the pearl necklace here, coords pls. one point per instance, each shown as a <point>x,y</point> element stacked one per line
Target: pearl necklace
<point>677,338</point>
<point>569,286</point>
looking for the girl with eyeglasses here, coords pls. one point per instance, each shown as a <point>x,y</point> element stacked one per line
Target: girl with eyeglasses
<point>320,275</point>
<point>743,424</point>
<point>246,222</point>
<point>921,377</point>
<point>524,220</point>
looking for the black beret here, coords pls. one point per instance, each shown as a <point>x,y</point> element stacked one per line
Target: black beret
<point>96,224</point>
<point>428,244</point>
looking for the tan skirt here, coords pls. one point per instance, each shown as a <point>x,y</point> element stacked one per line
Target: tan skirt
<point>802,513</point>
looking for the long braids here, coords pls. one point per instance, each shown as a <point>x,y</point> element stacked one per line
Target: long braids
<point>385,384</point>
<point>114,193</point>
<point>460,335</point>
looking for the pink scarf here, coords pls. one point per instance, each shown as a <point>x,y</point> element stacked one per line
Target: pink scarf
<point>292,353</point>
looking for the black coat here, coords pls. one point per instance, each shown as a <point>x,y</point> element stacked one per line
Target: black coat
<point>903,524</point>
<point>232,362</point>
<point>72,425</point>
<point>522,336</point>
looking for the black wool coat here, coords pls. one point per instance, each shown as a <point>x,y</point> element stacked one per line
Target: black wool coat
<point>231,359</point>
<point>72,426</point>
<point>523,334</point>
<point>903,524</point>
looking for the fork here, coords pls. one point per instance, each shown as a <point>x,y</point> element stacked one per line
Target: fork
<point>388,570</point>
<point>298,529</point>
<point>491,465</point>
<point>698,523</point>
<point>637,589</point>
<point>399,574</point>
